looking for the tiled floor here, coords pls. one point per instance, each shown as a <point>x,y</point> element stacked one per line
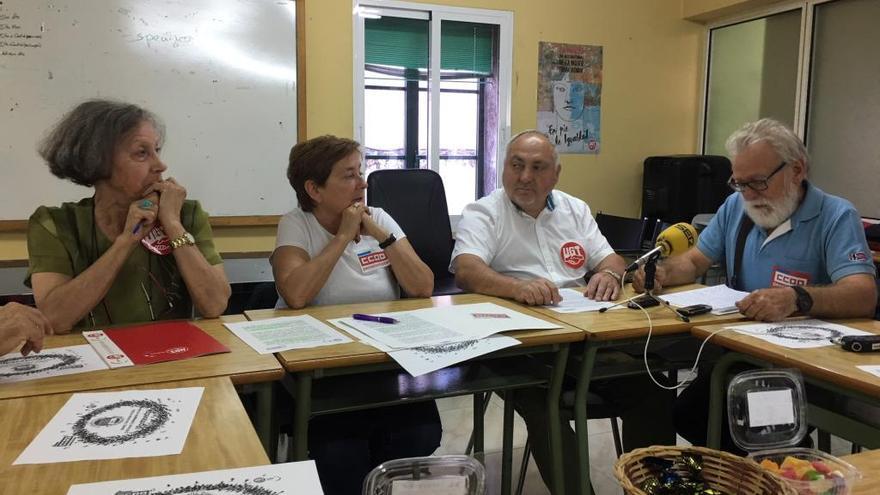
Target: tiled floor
<point>456,414</point>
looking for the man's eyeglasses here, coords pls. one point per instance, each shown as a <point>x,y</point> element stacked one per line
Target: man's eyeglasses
<point>757,184</point>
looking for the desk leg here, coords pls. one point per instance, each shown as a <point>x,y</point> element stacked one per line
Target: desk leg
<point>265,420</point>
<point>479,409</point>
<point>580,417</point>
<point>717,393</point>
<point>301,415</point>
<point>507,443</point>
<point>553,394</point>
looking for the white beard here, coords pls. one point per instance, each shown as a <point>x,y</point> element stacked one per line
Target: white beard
<point>769,215</point>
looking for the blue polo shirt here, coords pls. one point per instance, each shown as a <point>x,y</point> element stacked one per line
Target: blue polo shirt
<point>821,243</point>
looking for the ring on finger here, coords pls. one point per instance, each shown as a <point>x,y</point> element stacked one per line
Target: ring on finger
<point>145,204</point>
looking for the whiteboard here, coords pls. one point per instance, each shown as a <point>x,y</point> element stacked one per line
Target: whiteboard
<point>220,74</point>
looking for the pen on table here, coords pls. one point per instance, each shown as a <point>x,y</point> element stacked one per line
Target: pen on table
<point>378,319</point>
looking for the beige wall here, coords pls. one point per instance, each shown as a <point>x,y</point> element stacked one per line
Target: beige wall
<point>650,97</point>
<point>652,61</point>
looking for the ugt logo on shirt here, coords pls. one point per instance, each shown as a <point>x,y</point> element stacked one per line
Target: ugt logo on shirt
<point>573,255</point>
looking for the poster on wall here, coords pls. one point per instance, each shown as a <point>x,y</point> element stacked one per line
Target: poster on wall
<point>570,96</point>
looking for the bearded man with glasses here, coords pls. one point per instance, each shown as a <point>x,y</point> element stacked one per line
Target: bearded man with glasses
<point>802,250</point>
<point>793,247</point>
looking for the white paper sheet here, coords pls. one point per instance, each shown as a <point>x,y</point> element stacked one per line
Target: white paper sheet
<point>454,485</point>
<point>722,298</point>
<point>770,407</point>
<point>447,324</point>
<point>575,302</point>
<point>872,369</point>
<point>116,425</point>
<point>360,336</point>
<point>50,362</point>
<point>284,333</point>
<point>278,479</point>
<point>427,359</point>
<point>797,334</point>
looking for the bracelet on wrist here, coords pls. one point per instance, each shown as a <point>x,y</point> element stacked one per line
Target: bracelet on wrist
<point>614,274</point>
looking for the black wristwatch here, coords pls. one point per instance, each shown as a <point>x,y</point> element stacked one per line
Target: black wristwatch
<point>387,242</point>
<point>804,301</point>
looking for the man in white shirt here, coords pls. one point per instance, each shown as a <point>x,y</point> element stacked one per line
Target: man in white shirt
<point>522,243</point>
<point>526,240</point>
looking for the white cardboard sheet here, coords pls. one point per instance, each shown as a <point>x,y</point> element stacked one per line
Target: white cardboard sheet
<point>116,425</point>
<point>300,478</point>
<point>50,362</point>
<point>797,334</point>
<point>575,302</point>
<point>285,333</point>
<point>444,325</point>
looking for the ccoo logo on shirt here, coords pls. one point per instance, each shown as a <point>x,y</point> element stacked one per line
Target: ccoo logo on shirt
<point>573,255</point>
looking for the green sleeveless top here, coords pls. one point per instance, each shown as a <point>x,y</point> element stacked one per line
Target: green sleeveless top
<point>148,286</point>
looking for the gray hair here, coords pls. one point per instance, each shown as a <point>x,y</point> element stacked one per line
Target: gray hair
<point>783,140</point>
<point>531,132</point>
<point>80,146</point>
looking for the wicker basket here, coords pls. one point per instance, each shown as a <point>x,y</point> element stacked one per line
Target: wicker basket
<point>729,473</point>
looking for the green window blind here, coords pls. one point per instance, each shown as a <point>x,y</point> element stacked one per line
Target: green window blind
<point>400,42</point>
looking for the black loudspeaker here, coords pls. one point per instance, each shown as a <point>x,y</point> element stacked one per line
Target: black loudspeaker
<point>678,187</point>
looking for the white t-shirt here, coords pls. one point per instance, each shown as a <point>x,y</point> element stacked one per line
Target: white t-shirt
<point>363,272</point>
<point>561,245</point>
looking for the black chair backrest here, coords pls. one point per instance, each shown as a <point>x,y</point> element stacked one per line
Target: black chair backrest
<point>623,234</point>
<point>416,199</point>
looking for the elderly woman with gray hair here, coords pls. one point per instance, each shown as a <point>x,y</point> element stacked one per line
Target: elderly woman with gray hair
<point>137,250</point>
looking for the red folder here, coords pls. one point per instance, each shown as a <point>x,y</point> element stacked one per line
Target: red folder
<point>168,341</point>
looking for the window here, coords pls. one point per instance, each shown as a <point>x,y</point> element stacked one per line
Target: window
<point>753,73</point>
<point>432,91</point>
<point>811,64</point>
<point>843,108</point>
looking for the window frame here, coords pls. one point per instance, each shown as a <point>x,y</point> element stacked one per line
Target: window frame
<point>436,14</point>
<point>805,57</point>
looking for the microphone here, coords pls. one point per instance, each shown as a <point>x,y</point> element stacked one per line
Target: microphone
<point>676,239</point>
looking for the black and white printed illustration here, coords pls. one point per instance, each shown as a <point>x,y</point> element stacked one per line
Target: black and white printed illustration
<point>113,425</point>
<point>294,478</point>
<point>423,360</point>
<point>798,334</point>
<point>50,362</point>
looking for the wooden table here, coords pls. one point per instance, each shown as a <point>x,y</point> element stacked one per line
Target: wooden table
<point>354,358</point>
<point>242,365</point>
<point>830,368</point>
<point>221,438</point>
<point>869,465</point>
<point>620,328</point>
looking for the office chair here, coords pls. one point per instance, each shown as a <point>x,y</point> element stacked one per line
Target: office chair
<point>416,199</point>
<point>625,235</point>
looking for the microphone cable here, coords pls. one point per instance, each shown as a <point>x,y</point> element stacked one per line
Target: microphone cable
<point>692,373</point>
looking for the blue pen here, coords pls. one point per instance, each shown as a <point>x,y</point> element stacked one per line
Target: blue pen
<point>137,227</point>
<point>377,319</point>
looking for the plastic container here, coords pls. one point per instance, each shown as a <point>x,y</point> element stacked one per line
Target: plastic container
<point>839,480</point>
<point>447,474</point>
<point>767,415</point>
<point>767,409</point>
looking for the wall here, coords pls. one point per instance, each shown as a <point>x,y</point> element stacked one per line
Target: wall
<point>650,95</point>
<point>650,100</point>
